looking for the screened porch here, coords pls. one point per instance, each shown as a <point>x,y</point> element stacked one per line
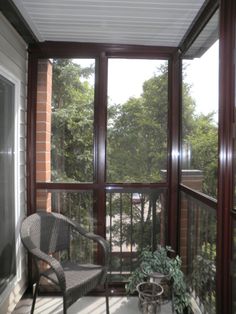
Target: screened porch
<point>131,132</point>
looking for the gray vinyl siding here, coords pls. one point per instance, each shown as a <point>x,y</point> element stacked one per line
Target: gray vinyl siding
<point>13,58</point>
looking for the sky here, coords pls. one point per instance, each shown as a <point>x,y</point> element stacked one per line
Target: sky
<point>203,75</point>
<point>126,77</point>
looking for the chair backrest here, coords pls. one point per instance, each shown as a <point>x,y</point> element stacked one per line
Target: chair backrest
<point>50,232</point>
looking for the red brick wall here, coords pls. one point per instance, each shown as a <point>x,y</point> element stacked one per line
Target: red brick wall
<point>43,131</point>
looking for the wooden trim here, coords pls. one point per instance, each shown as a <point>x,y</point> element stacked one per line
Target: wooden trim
<point>66,186</point>
<point>31,145</point>
<point>201,197</point>
<point>50,49</point>
<point>135,186</point>
<point>31,134</point>
<point>173,163</point>
<point>100,115</point>
<point>100,119</point>
<point>120,187</point>
<point>226,153</point>
<point>200,21</point>
<point>13,15</point>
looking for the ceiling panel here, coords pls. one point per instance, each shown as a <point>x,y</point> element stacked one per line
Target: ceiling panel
<point>205,39</point>
<point>159,23</point>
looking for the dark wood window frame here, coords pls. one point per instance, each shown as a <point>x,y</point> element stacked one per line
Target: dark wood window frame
<point>99,187</point>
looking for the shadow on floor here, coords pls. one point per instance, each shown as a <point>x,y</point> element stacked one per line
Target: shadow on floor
<point>86,305</point>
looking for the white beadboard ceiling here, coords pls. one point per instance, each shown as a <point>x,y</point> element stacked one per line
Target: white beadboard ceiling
<point>140,22</point>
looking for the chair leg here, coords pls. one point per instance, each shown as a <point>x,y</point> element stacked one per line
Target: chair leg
<point>64,304</point>
<point>34,297</point>
<point>107,296</point>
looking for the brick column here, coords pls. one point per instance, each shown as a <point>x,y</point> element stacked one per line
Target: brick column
<point>43,142</point>
<point>43,132</point>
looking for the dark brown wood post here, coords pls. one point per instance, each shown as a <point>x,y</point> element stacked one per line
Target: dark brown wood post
<point>174,123</point>
<point>226,151</point>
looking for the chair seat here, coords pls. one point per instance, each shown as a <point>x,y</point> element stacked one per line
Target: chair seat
<point>82,277</point>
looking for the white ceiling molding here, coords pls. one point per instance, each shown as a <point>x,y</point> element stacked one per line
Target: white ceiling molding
<point>157,23</point>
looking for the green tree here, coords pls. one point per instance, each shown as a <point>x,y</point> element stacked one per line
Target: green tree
<point>137,140</point>
<point>137,152</point>
<point>72,122</point>
<point>200,136</point>
<point>137,134</point>
<point>204,149</point>
<point>72,145</point>
<point>137,149</point>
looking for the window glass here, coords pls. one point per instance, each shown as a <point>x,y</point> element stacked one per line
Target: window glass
<point>76,206</point>
<point>65,119</point>
<point>135,219</point>
<point>137,120</point>
<point>199,162</point>
<point>200,112</point>
<point>7,178</point>
<point>198,252</point>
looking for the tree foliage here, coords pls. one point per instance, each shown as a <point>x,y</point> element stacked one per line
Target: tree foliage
<point>72,145</point>
<point>137,141</point>
<point>137,134</point>
<point>203,141</point>
<point>72,122</point>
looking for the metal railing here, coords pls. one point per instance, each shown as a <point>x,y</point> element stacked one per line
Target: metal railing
<point>200,259</point>
<point>134,220</point>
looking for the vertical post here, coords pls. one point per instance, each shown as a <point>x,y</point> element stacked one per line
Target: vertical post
<point>226,134</point>
<point>131,232</point>
<point>31,132</point>
<point>154,222</point>
<point>100,113</point>
<point>174,124</point>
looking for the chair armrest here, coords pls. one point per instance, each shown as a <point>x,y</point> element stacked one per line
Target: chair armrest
<point>51,261</point>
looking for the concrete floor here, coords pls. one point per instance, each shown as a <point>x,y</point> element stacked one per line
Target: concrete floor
<point>86,305</point>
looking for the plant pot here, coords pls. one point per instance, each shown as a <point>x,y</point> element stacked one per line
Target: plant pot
<point>166,283</point>
<point>149,297</point>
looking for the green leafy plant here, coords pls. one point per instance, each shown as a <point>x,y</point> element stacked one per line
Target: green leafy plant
<point>203,277</point>
<point>159,262</point>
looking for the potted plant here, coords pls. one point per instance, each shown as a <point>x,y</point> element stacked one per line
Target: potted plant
<point>158,265</point>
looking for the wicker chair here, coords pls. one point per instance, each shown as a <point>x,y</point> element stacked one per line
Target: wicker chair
<point>43,234</point>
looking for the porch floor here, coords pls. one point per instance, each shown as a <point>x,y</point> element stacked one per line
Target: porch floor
<point>86,305</point>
